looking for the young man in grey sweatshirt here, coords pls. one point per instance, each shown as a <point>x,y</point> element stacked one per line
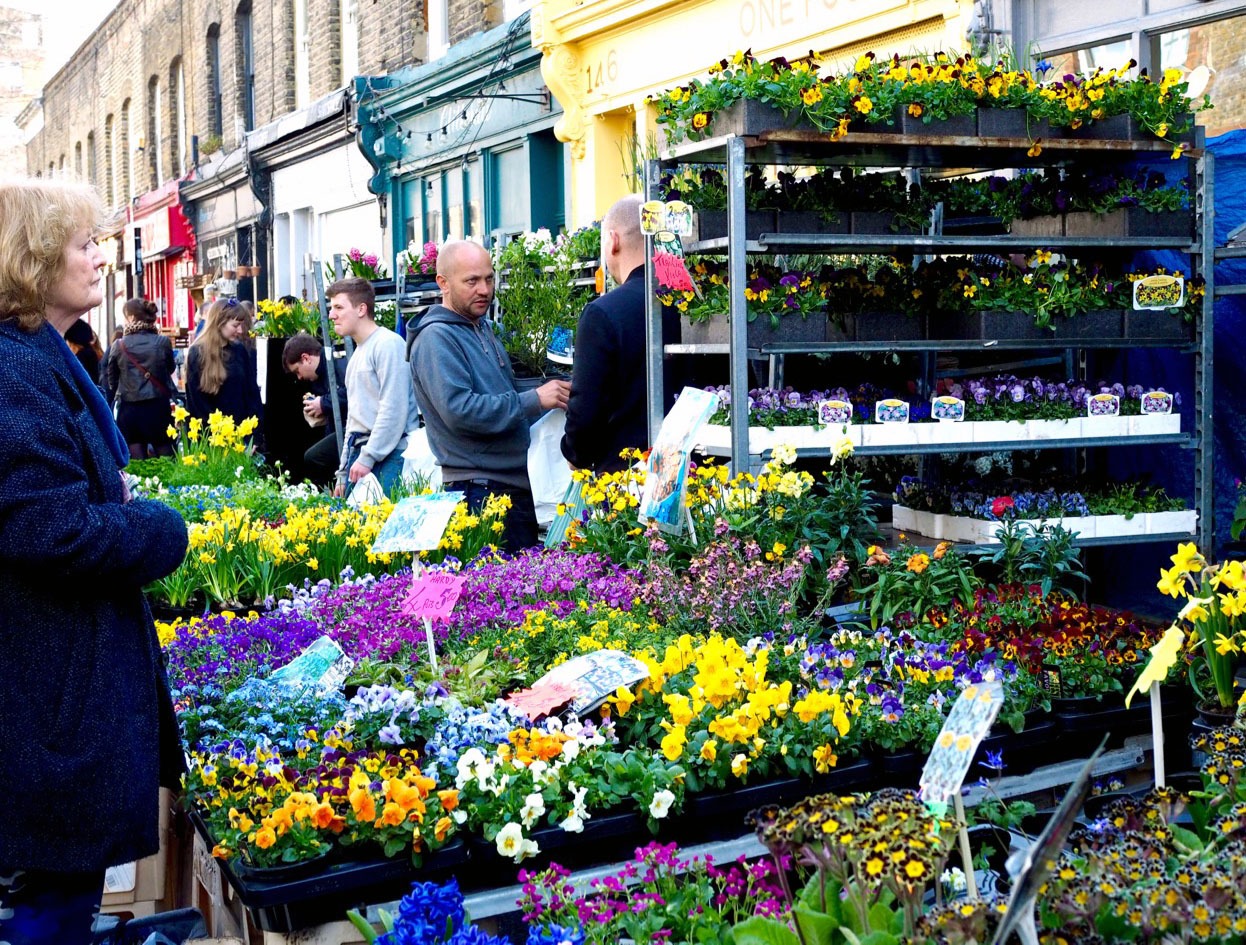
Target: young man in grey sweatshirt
<point>476,419</point>
<point>381,411</point>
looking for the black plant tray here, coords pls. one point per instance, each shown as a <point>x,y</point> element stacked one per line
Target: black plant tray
<point>350,877</point>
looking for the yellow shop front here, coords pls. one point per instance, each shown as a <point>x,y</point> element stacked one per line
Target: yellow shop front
<point>602,59</point>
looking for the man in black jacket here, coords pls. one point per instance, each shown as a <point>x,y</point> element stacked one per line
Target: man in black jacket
<point>607,412</point>
<point>303,356</point>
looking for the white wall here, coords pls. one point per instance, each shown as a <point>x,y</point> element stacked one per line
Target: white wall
<point>322,205</point>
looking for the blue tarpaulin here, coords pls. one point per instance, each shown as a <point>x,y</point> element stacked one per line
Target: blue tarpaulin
<point>1127,575</point>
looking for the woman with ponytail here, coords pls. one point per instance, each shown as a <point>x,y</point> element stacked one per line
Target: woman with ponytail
<point>139,379</point>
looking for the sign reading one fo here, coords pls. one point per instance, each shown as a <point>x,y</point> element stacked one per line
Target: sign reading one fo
<point>761,19</point>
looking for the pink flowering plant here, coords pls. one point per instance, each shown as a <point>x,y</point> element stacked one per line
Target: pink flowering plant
<point>365,265</point>
<point>660,896</point>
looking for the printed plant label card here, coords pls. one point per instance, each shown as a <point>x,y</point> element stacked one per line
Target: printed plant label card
<point>891,410</point>
<point>1156,401</point>
<point>1103,405</point>
<point>966,725</point>
<point>1159,292</point>
<point>834,412</point>
<point>417,523</point>
<point>652,217</point>
<point>678,218</point>
<point>947,409</point>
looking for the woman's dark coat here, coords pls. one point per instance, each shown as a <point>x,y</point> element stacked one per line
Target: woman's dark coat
<point>239,396</point>
<point>87,731</point>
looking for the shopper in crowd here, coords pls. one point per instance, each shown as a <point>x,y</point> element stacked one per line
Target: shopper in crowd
<point>378,389</point>
<point>87,730</point>
<point>116,336</point>
<point>85,345</point>
<point>477,420</point>
<point>139,380</point>
<point>303,356</point>
<point>607,411</point>
<point>220,371</point>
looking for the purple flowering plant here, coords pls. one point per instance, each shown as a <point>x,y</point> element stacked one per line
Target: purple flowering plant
<point>660,896</point>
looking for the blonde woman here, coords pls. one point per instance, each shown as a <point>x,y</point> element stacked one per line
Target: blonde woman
<point>87,731</point>
<point>220,371</point>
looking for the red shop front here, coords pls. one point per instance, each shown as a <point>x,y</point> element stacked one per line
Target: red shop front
<point>161,232</point>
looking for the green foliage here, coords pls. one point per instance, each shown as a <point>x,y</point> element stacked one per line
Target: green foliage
<point>1043,554</point>
<point>913,581</point>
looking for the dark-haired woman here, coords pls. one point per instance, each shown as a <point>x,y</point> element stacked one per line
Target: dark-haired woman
<point>139,379</point>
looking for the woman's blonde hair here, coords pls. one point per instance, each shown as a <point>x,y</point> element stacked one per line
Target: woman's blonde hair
<point>38,218</point>
<point>211,342</point>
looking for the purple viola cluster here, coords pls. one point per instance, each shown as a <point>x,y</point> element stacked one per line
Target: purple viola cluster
<point>214,656</point>
<point>1008,397</point>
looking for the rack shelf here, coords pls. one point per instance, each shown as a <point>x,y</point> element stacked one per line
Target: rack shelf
<point>949,155</point>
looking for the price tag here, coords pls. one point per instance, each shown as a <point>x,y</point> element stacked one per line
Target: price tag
<point>433,595</point>
<point>652,217</point>
<point>678,218</point>
<point>947,409</point>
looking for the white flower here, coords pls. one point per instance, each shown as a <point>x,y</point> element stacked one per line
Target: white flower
<point>783,455</point>
<point>574,728</point>
<point>469,765</point>
<point>570,750</point>
<point>459,816</point>
<point>526,849</point>
<point>573,824</point>
<point>533,807</point>
<point>510,840</point>
<point>660,806</point>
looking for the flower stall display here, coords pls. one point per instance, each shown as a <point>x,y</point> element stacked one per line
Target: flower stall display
<point>881,92</point>
<point>280,319</point>
<point>361,264</point>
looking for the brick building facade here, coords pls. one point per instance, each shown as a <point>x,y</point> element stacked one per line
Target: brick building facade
<point>158,73</point>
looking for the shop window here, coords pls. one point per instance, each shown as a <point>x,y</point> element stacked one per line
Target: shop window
<point>1215,50</point>
<point>434,217</point>
<point>453,182</point>
<point>413,211</point>
<point>78,160</point>
<point>509,187</point>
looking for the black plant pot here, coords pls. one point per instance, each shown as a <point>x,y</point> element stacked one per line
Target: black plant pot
<point>1011,123</point>
<point>712,224</point>
<point>719,815</point>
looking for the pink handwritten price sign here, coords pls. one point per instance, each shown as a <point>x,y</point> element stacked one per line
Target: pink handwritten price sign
<point>432,596</point>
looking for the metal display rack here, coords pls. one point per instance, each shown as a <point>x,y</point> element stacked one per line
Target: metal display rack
<point>959,155</point>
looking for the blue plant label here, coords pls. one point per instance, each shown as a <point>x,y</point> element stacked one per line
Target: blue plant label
<point>1163,291</point>
<point>1103,405</point>
<point>947,409</point>
<point>1156,401</point>
<point>834,412</point>
<point>891,410</point>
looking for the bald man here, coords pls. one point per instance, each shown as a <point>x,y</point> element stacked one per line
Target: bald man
<point>477,421</point>
<point>607,412</point>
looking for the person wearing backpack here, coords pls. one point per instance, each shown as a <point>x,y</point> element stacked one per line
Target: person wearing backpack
<point>138,378</point>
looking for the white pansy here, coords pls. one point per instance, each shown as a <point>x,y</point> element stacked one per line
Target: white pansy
<point>510,840</point>
<point>660,806</point>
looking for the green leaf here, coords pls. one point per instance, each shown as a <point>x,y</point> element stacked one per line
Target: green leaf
<point>762,931</point>
<point>369,934</point>
<point>1186,838</point>
<point>816,926</point>
<point>881,938</point>
<point>882,916</point>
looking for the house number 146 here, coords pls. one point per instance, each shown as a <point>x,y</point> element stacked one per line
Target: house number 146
<point>605,70</point>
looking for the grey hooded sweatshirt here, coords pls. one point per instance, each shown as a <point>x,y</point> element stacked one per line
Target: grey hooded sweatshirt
<point>477,421</point>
